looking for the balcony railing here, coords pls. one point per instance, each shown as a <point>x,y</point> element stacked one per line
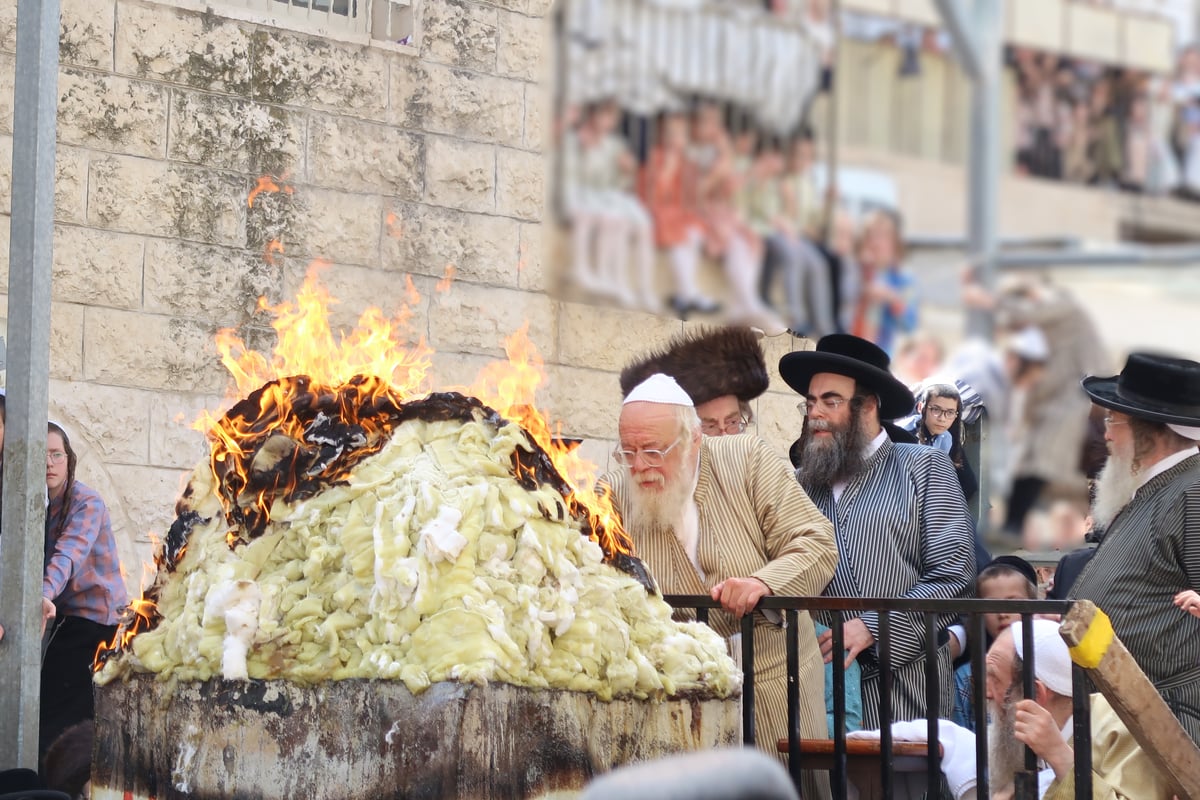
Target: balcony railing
<point>972,611</point>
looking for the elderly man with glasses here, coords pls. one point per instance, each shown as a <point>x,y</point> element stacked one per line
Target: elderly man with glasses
<point>901,522</point>
<point>723,516</point>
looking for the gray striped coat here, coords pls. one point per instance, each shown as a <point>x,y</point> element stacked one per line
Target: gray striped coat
<point>755,520</point>
<point>1150,553</point>
<point>902,530</point>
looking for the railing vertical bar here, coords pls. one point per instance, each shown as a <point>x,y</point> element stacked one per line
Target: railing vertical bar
<point>1082,730</point>
<point>976,637</point>
<point>748,680</point>
<point>1026,782</point>
<point>884,650</point>
<point>793,692</point>
<point>932,766</point>
<point>839,707</point>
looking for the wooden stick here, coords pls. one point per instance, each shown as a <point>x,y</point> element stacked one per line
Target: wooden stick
<point>1094,646</point>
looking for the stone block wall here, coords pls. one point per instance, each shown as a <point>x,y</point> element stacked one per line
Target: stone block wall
<point>389,162</point>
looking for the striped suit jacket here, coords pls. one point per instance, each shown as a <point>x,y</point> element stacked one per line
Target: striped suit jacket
<point>902,530</point>
<point>755,520</point>
<point>1150,553</point>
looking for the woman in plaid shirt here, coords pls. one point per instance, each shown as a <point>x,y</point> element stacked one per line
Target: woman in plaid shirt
<point>83,579</point>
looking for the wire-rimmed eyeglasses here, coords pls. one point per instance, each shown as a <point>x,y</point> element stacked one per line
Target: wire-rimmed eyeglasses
<point>731,425</point>
<point>651,458</point>
<point>943,413</point>
<point>1108,420</point>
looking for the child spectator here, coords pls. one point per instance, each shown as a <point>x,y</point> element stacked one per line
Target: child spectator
<point>1006,578</point>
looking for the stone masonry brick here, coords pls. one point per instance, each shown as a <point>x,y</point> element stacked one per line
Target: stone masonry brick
<point>776,419</point>
<point>590,399</point>
<point>70,181</point>
<point>173,353</point>
<point>523,46</point>
<point>425,239</point>
<point>319,73</point>
<point>174,442</point>
<point>537,107</point>
<point>520,183</point>
<point>459,33</point>
<point>217,284</point>
<point>147,497</point>
<point>86,37</point>
<point>338,227</point>
<point>111,113</point>
<point>7,67</point>
<point>66,341</point>
<point>97,267</point>
<point>460,174</point>
<point>458,103</point>
<point>115,419</point>
<point>477,319</point>
<point>357,156</point>
<point>235,133</point>
<point>531,260</point>
<point>153,197</point>
<point>598,338</point>
<point>202,51</point>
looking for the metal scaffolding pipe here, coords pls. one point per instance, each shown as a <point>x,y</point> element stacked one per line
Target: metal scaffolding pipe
<point>1162,255</point>
<point>31,228</point>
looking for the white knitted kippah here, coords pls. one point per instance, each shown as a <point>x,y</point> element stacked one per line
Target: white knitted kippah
<point>659,388</point>
<point>1051,659</point>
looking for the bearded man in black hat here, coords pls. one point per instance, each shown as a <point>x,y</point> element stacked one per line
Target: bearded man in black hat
<point>1148,499</point>
<point>901,522</point>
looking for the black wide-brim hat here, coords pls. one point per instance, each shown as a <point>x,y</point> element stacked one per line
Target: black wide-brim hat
<point>854,357</point>
<point>1153,387</point>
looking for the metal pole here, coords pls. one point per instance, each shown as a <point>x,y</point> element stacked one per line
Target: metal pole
<point>31,232</point>
<point>986,20</point>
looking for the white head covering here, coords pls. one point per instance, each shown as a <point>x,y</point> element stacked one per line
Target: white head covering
<point>659,388</point>
<point>1030,344</point>
<point>1051,659</point>
<point>1186,431</point>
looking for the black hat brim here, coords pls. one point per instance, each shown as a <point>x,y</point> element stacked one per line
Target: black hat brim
<point>1106,393</point>
<point>797,370</point>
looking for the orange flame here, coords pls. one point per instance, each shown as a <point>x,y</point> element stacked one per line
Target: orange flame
<point>265,183</point>
<point>273,247</point>
<point>393,224</point>
<point>443,285</point>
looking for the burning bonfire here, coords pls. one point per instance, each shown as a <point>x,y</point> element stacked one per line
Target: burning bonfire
<point>350,524</point>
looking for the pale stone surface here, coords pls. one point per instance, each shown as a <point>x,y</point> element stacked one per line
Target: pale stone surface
<point>86,36</point>
<point>97,267</point>
<point>775,348</point>
<point>172,353</point>
<point>153,197</point>
<point>520,183</point>
<point>608,338</point>
<point>459,33</point>
<point>112,418</point>
<point>426,239</point>
<point>460,174</point>
<point>66,341</point>
<point>203,51</point>
<point>174,442</point>
<point>478,319</point>
<point>357,156</point>
<point>339,227</point>
<point>523,46</point>
<point>107,112</point>
<point>456,102</point>
<point>7,67</point>
<point>590,399</point>
<point>70,184</point>
<point>217,284</point>
<point>358,288</point>
<point>457,371</point>
<point>537,109</point>
<point>235,133</point>
<point>777,421</point>
<point>531,263</point>
<point>317,72</point>
<point>597,452</point>
<point>148,496</point>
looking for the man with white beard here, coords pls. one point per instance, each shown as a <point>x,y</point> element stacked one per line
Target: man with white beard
<point>1148,499</point>
<point>724,517</point>
<point>901,522</point>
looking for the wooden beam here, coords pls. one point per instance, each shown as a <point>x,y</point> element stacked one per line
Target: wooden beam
<point>1094,646</point>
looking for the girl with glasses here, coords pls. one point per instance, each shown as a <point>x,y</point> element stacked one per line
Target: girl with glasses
<point>939,424</point>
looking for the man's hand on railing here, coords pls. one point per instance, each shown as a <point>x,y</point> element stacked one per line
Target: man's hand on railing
<point>739,596</point>
<point>1036,728</point>
<point>855,637</point>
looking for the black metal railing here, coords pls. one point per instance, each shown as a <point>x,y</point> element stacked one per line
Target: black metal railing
<point>1025,782</point>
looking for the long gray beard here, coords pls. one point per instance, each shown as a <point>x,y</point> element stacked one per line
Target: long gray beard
<point>1006,754</point>
<point>1115,486</point>
<point>648,512</point>
<point>834,460</point>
